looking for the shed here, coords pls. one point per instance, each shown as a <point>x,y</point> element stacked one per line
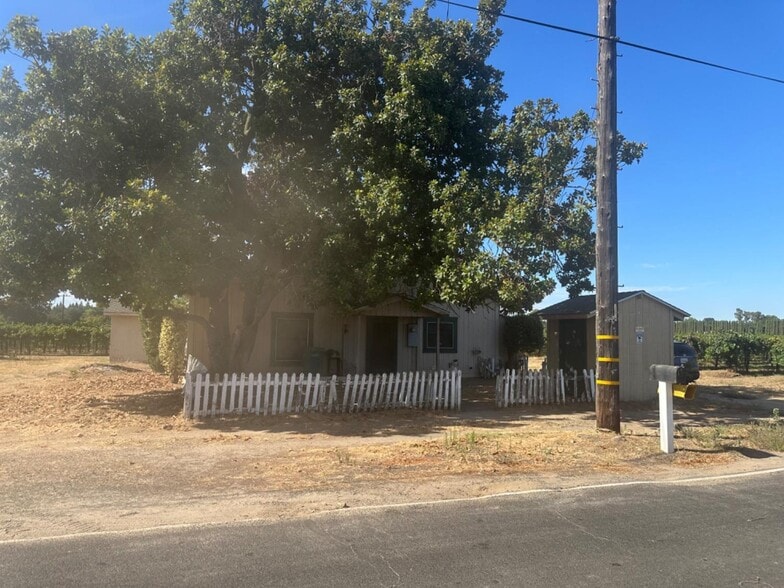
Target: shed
<point>125,338</point>
<point>645,327</point>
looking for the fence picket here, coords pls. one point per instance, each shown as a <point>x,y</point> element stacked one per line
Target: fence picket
<point>362,391</point>
<point>400,400</point>
<point>240,392</point>
<point>196,393</point>
<point>346,392</point>
<point>275,389</point>
<point>308,384</point>
<point>333,392</point>
<point>284,387</point>
<point>293,392</point>
<point>267,385</point>
<point>257,395</point>
<point>354,391</point>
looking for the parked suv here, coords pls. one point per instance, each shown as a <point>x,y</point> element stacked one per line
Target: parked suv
<point>686,356</point>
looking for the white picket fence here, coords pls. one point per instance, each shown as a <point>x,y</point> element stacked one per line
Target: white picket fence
<point>544,387</point>
<point>273,394</point>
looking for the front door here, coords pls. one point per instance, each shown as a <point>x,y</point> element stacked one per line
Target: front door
<point>381,345</point>
<point>572,349</point>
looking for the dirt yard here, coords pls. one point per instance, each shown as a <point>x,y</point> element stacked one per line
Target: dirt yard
<point>88,446</point>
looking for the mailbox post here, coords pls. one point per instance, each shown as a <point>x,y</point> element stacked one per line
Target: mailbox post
<point>669,376</point>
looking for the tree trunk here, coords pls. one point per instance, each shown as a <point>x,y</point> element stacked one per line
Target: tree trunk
<point>218,340</point>
<point>232,349</point>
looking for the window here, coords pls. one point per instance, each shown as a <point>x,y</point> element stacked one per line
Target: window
<point>448,335</point>
<point>292,336</point>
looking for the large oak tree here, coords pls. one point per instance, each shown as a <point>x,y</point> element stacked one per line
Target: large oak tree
<point>348,148</point>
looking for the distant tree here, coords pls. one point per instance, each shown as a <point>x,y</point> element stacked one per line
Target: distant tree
<point>13,310</point>
<point>752,316</point>
<point>71,313</point>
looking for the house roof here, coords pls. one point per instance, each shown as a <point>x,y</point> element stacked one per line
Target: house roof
<point>117,309</point>
<point>403,306</point>
<point>585,306</point>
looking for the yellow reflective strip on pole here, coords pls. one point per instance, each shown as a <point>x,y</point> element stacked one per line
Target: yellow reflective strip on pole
<point>608,383</point>
<point>608,359</point>
<point>607,337</point>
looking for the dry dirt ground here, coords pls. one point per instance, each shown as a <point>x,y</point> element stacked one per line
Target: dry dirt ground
<point>88,446</point>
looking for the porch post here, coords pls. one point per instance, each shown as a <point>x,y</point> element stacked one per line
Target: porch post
<point>438,341</point>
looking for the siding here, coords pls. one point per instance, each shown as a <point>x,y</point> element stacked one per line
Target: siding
<point>125,339</point>
<point>656,346</point>
<point>478,333</point>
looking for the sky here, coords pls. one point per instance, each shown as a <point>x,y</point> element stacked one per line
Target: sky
<point>702,214</point>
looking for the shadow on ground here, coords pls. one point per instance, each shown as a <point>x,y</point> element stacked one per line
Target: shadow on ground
<point>479,411</point>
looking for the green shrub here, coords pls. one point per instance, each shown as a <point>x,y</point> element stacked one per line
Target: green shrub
<point>171,347</point>
<point>151,335</point>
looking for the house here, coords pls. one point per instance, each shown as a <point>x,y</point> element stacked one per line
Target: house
<point>125,337</point>
<point>393,336</point>
<point>645,327</point>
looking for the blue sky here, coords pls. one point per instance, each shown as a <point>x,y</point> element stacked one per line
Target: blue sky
<point>702,213</point>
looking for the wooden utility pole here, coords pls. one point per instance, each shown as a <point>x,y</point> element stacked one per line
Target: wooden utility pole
<point>608,413</point>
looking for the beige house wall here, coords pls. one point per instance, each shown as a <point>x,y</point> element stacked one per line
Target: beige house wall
<point>478,333</point>
<point>125,339</point>
<point>478,336</point>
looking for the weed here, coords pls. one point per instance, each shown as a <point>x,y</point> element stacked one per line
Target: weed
<point>713,437</point>
<point>343,456</point>
<point>768,435</point>
<point>457,439</point>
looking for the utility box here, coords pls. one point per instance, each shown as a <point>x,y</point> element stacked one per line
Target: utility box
<point>316,361</point>
<point>412,335</point>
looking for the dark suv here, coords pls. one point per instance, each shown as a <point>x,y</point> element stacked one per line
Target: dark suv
<point>686,356</point>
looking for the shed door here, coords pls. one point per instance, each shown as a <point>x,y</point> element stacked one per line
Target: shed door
<point>572,349</point>
<point>381,347</point>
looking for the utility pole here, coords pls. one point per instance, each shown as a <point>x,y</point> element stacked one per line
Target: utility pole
<point>608,413</point>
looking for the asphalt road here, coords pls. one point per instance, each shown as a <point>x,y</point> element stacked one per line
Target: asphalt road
<point>727,532</point>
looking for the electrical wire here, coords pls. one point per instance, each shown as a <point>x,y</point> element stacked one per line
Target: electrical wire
<point>618,41</point>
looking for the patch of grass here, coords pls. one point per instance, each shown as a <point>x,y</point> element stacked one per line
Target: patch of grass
<point>714,437</point>
<point>770,435</point>
<point>764,435</point>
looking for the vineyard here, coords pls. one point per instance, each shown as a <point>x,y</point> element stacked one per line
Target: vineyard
<point>85,337</point>
<point>743,352</point>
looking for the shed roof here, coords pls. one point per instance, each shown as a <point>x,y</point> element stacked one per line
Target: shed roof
<point>116,309</point>
<point>585,306</point>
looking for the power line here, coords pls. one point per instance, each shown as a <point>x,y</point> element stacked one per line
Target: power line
<point>618,41</point>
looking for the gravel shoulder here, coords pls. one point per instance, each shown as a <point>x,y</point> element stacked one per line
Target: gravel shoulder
<point>86,446</point>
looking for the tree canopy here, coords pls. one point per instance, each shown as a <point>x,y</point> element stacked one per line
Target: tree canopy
<point>352,148</point>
